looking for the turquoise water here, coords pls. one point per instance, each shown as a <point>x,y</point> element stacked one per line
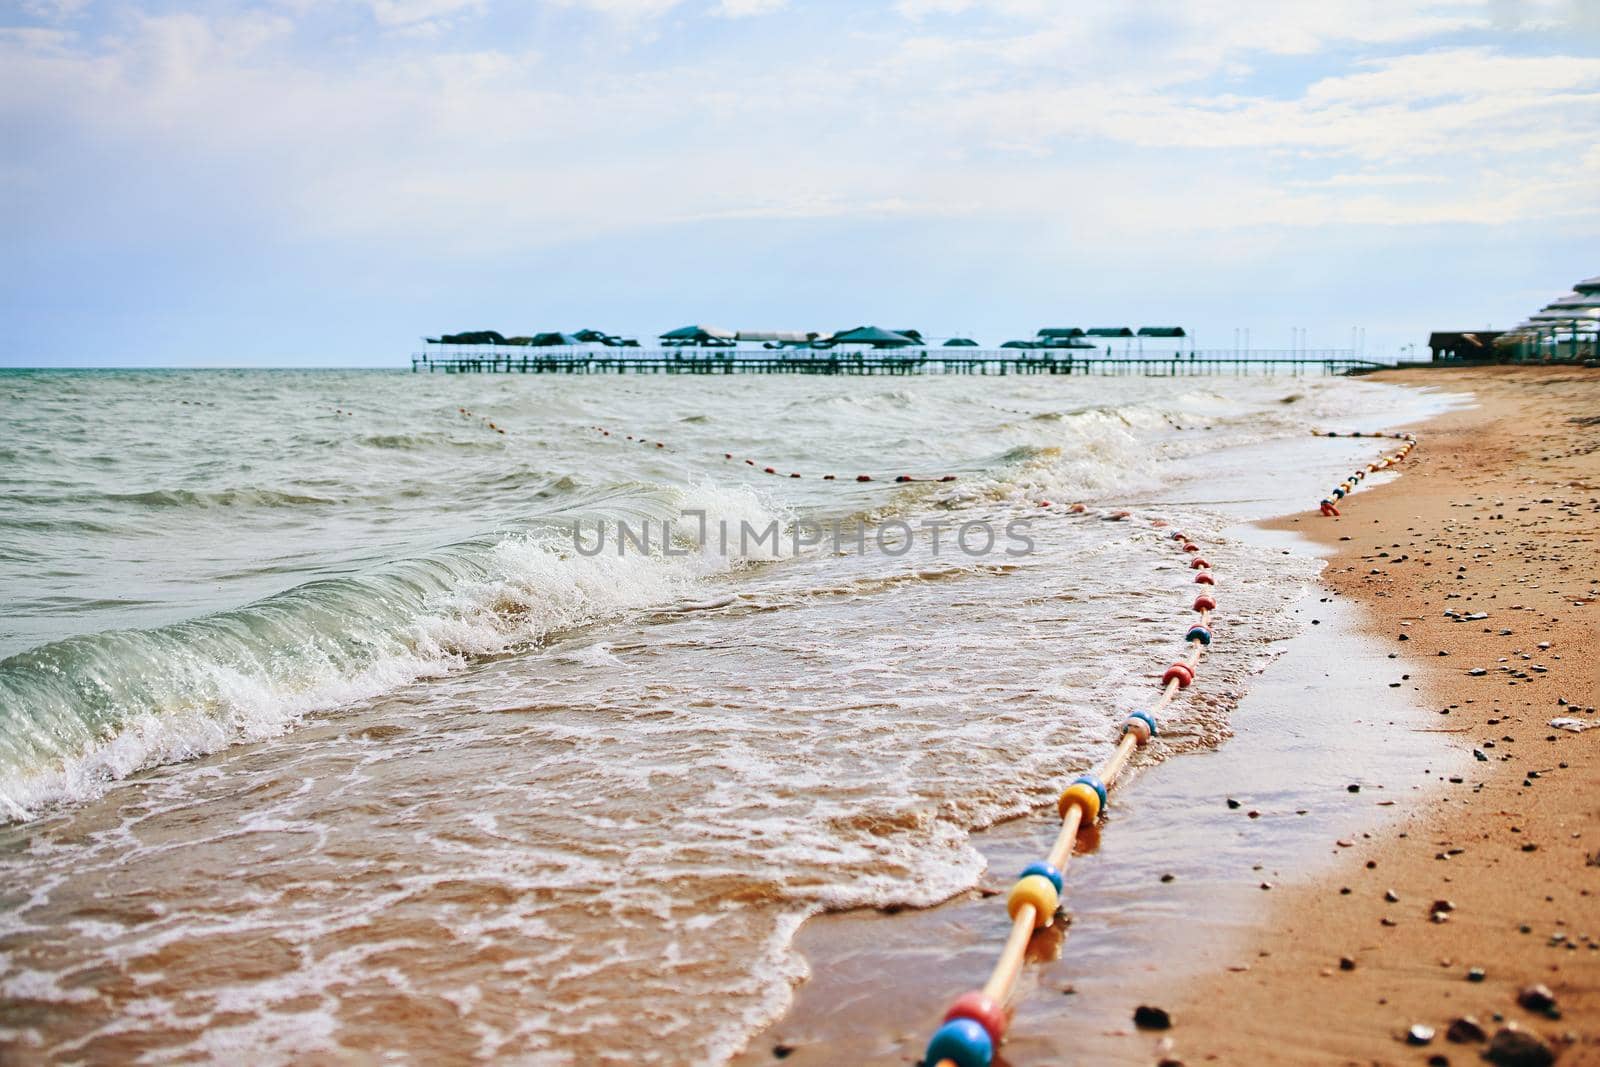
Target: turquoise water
<point>313,661</point>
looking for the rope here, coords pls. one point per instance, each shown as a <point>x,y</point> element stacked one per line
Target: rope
<point>975,1024</point>
<point>468,414</point>
<point>764,469</point>
<point>1345,488</point>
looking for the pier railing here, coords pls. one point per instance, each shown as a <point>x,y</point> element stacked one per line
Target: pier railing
<point>899,361</point>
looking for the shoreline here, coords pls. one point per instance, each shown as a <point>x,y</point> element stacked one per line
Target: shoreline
<point>885,979</point>
<point>1496,515</point>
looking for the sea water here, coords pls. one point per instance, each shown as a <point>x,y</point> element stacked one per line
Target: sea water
<point>323,733</point>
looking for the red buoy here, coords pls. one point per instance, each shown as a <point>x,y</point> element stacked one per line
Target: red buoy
<point>1204,603</point>
<point>1198,564</point>
<point>1204,578</point>
<point>982,1010</point>
<point>1181,672</point>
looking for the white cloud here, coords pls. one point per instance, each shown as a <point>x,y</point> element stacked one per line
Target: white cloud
<point>396,13</point>
<point>475,149</point>
<point>624,10</point>
<point>54,10</point>
<point>738,9</point>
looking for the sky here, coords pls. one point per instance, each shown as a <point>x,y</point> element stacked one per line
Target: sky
<point>324,182</point>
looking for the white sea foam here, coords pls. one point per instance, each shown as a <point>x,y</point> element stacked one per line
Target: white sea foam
<point>162,698</point>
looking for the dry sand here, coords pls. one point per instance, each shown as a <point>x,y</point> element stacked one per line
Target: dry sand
<point>1498,514</point>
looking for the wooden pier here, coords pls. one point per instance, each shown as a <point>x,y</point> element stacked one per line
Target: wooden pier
<point>922,361</point>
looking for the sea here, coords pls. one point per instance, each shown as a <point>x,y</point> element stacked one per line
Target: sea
<point>369,716</point>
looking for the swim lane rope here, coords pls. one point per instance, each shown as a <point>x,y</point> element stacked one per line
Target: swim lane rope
<point>902,478</point>
<point>1346,487</point>
<point>976,1022</point>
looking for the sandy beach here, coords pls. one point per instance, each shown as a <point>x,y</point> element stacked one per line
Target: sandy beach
<point>1394,815</point>
<point>1481,567</point>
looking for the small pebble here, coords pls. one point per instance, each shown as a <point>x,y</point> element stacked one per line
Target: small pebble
<point>1146,1017</point>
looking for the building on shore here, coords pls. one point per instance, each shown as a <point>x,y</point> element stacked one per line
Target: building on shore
<point>1566,330</point>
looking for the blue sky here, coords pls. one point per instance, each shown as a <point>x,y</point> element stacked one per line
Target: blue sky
<point>325,181</point>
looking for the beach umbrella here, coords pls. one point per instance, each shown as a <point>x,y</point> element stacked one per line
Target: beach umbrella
<point>699,335</point>
<point>1575,302</point>
<point>1110,331</point>
<point>471,337</point>
<point>961,342</point>
<point>872,335</point>
<point>1018,344</point>
<point>1066,332</point>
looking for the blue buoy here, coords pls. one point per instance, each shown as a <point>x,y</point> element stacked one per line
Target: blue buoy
<point>1044,870</point>
<point>1148,718</point>
<point>1093,782</point>
<point>961,1041</point>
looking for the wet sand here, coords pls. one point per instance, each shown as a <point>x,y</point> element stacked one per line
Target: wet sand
<point>1355,766</point>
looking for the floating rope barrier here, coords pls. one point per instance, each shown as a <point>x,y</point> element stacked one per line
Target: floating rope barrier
<point>1328,504</point>
<point>468,414</point>
<point>764,469</point>
<point>975,1024</point>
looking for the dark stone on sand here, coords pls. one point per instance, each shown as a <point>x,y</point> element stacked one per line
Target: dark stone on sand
<point>782,1052</point>
<point>1465,1031</point>
<point>1419,1035</point>
<point>1232,803</point>
<point>1346,963</point>
<point>1518,1048</point>
<point>1536,998</point>
<point>1475,974</point>
<point>1146,1017</point>
<point>1391,896</point>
